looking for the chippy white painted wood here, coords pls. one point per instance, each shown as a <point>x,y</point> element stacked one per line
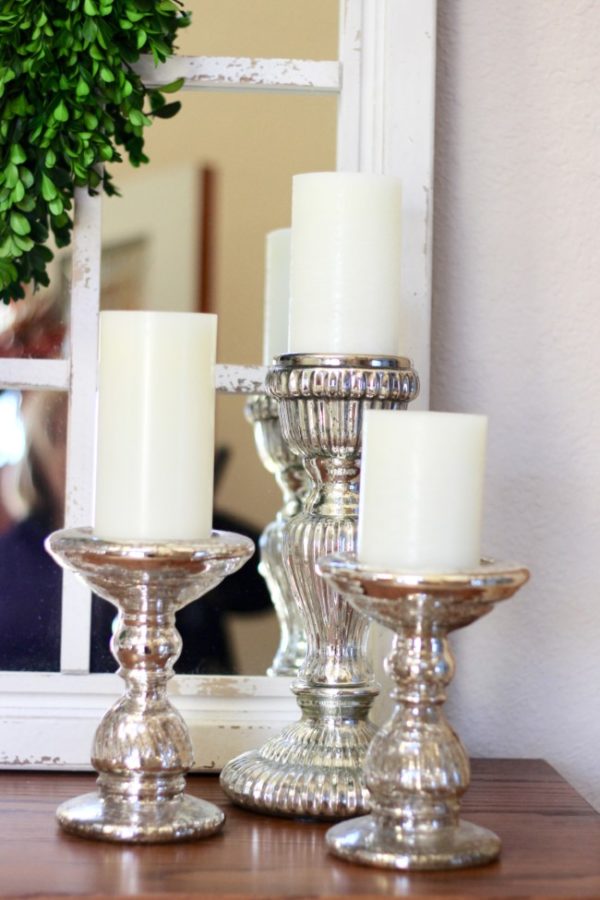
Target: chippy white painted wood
<point>241,379</point>
<point>244,73</point>
<point>55,375</point>
<point>43,374</point>
<point>384,80</point>
<point>386,124</point>
<point>83,331</point>
<point>48,720</point>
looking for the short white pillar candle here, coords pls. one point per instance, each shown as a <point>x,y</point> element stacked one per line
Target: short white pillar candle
<point>156,411</point>
<point>421,490</point>
<point>345,264</point>
<point>277,294</point>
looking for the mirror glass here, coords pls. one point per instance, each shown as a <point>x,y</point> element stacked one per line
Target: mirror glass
<point>189,233</point>
<point>32,478</point>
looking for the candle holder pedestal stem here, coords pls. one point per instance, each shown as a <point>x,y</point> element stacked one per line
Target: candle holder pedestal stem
<point>142,748</point>
<point>416,768</point>
<point>315,766</point>
<point>263,414</point>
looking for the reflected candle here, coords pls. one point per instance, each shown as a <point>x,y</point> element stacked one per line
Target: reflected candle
<point>421,492</point>
<point>156,411</point>
<point>277,294</point>
<point>345,289</point>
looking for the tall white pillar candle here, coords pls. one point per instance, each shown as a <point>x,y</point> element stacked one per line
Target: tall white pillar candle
<point>277,294</point>
<point>156,410</point>
<point>345,264</point>
<point>421,490</point>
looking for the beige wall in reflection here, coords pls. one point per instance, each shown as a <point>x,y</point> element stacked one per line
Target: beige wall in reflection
<point>255,142</point>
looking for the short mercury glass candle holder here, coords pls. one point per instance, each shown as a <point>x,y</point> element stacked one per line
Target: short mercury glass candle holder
<point>276,456</point>
<point>416,768</point>
<point>142,748</point>
<point>314,767</point>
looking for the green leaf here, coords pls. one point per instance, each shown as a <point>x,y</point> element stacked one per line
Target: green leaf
<point>11,175</point>
<point>27,204</point>
<point>49,191</point>
<point>17,154</point>
<point>82,89</point>
<point>173,87</point>
<point>56,206</point>
<point>89,30</point>
<point>23,243</point>
<point>8,273</point>
<point>168,111</point>
<point>90,8</point>
<point>18,192</point>
<point>134,15</point>
<point>61,113</point>
<point>137,118</point>
<point>26,177</point>
<point>19,223</point>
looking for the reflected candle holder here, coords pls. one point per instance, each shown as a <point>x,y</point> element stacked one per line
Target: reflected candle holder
<point>315,766</point>
<point>263,414</point>
<point>416,768</point>
<point>142,748</point>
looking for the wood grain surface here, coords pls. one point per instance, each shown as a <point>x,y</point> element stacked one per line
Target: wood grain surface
<point>550,835</point>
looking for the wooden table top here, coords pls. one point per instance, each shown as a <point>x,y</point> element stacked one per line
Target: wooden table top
<point>550,835</point>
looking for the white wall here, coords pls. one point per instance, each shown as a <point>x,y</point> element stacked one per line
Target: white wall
<point>517,335</point>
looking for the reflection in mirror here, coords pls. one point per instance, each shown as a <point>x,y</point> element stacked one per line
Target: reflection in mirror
<point>32,478</point>
<point>32,490</point>
<point>179,240</point>
<point>36,327</point>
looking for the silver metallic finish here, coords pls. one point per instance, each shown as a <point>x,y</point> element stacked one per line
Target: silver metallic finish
<point>416,768</point>
<point>263,414</point>
<point>142,748</point>
<point>315,766</point>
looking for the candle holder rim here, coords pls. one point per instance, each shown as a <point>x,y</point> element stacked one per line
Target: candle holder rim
<point>342,360</point>
<point>220,544</point>
<point>490,573</point>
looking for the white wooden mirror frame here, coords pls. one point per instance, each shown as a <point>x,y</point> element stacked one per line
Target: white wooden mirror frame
<point>384,80</point>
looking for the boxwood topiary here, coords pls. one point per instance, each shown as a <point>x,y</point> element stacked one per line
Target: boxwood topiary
<point>70,102</point>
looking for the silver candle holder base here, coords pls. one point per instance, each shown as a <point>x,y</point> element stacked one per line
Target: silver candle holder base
<point>314,768</point>
<point>416,768</point>
<point>142,748</point>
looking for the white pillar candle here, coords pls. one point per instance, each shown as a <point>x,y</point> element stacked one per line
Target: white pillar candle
<point>156,409</point>
<point>345,264</point>
<point>421,490</point>
<point>277,294</point>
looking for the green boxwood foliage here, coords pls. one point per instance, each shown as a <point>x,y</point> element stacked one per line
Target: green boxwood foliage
<point>70,103</point>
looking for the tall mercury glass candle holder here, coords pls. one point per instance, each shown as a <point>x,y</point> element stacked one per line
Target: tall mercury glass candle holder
<point>142,748</point>
<point>315,766</point>
<point>416,768</point>
<point>263,414</point>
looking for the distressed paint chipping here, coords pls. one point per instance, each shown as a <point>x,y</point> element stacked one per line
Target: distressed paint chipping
<point>85,302</point>
<point>243,73</point>
<point>241,379</point>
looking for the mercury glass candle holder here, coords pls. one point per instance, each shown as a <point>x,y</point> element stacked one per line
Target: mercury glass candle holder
<point>416,768</point>
<point>142,748</point>
<point>263,414</point>
<point>315,766</point>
